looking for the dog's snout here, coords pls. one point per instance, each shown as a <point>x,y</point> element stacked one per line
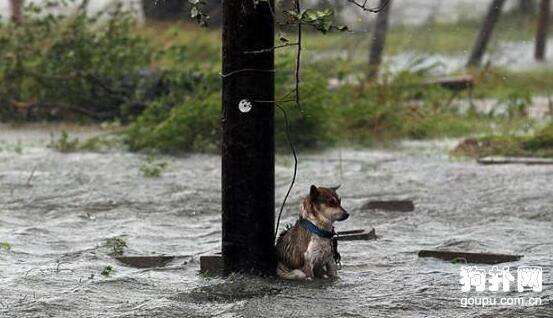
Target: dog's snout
<point>344,216</point>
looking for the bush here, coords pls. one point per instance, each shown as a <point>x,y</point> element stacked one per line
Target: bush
<point>364,113</point>
<point>186,119</point>
<point>542,140</point>
<point>55,65</point>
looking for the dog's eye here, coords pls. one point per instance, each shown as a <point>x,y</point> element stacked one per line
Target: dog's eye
<point>333,202</point>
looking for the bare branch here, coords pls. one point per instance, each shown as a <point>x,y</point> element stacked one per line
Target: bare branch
<point>364,7</point>
<point>270,49</point>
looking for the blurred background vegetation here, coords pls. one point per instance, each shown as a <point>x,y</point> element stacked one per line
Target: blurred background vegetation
<point>158,80</point>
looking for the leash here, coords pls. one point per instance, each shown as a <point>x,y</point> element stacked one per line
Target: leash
<point>334,247</point>
<point>295,165</point>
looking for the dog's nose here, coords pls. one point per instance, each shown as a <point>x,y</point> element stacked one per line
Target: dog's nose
<point>345,216</point>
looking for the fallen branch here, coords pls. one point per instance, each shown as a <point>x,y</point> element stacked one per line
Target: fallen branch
<point>514,160</point>
<point>479,258</point>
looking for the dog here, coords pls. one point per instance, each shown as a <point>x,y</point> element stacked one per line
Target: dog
<point>308,249</point>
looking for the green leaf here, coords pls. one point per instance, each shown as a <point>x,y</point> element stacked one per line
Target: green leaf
<point>342,28</point>
<point>5,246</point>
<point>194,12</point>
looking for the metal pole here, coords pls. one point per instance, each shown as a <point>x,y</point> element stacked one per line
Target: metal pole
<point>248,138</point>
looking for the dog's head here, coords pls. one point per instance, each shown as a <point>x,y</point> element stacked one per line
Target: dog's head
<point>324,205</point>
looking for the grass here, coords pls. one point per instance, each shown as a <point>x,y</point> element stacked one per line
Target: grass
<point>501,83</point>
<point>538,144</point>
<point>456,38</point>
<point>64,143</point>
<point>202,47</point>
<point>432,37</point>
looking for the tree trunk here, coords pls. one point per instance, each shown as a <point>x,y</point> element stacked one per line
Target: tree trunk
<point>485,32</point>
<point>379,38</point>
<point>526,7</point>
<point>16,7</point>
<point>248,138</point>
<point>214,10</point>
<point>543,25</point>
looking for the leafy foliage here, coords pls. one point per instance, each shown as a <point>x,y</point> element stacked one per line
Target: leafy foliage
<point>320,19</point>
<point>152,168</point>
<point>107,270</point>
<point>5,246</point>
<point>542,140</point>
<point>196,12</point>
<point>54,65</point>
<point>179,121</point>
<point>117,245</point>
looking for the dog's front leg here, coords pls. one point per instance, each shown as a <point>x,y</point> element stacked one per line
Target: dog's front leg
<point>309,265</point>
<point>308,270</point>
<point>331,269</point>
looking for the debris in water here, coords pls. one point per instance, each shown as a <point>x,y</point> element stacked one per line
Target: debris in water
<point>455,84</point>
<point>357,235</point>
<point>145,261</point>
<point>211,264</point>
<point>479,258</point>
<point>515,160</point>
<point>394,205</point>
<point>232,290</point>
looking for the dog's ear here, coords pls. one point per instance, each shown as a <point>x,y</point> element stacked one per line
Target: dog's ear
<point>336,187</point>
<point>313,193</point>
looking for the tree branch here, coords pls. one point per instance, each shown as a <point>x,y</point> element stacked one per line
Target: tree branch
<point>364,6</point>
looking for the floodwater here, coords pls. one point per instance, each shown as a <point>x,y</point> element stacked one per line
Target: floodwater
<point>57,218</point>
<point>516,56</point>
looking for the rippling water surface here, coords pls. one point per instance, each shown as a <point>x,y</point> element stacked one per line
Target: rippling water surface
<point>58,220</point>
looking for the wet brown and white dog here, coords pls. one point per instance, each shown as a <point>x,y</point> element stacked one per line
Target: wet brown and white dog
<point>307,249</point>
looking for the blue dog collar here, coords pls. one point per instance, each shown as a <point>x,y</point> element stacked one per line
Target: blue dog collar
<point>306,224</point>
